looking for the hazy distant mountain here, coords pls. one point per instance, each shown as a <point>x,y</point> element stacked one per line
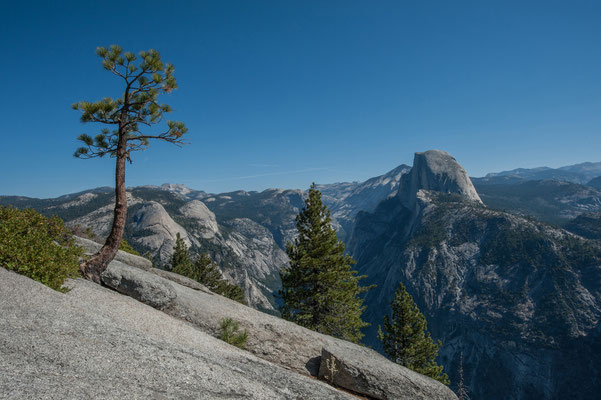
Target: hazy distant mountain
<point>588,170</point>
<point>595,182</point>
<point>550,195</point>
<point>551,201</point>
<point>577,173</point>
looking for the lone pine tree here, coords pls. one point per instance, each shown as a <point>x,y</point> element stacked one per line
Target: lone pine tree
<point>405,338</point>
<point>144,77</point>
<point>320,289</point>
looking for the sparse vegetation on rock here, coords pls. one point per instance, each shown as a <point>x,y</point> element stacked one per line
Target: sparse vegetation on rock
<point>38,247</point>
<point>229,332</point>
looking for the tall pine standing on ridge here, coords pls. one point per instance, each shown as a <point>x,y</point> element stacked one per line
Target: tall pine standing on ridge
<point>143,79</point>
<point>320,289</point>
<point>406,340</point>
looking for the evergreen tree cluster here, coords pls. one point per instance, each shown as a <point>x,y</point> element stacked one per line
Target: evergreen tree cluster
<point>320,289</point>
<point>203,270</point>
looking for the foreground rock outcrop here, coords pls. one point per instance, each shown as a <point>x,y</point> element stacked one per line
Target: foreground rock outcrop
<point>274,339</point>
<point>93,343</point>
<point>56,345</point>
<point>361,371</point>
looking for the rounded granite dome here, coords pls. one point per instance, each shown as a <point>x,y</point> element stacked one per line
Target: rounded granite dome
<point>438,171</point>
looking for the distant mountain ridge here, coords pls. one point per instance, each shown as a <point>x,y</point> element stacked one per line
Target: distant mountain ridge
<point>551,201</point>
<point>595,182</point>
<point>577,173</point>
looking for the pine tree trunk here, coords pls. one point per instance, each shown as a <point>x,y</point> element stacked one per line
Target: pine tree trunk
<point>99,262</point>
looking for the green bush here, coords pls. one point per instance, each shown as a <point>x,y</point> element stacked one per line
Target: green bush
<point>229,333</point>
<point>38,247</point>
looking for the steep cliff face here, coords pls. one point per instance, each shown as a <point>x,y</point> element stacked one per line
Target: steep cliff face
<point>436,170</point>
<point>251,257</point>
<point>520,299</point>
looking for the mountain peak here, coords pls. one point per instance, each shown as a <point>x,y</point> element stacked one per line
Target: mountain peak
<point>437,170</point>
<point>176,188</point>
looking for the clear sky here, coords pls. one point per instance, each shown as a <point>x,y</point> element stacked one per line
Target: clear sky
<point>283,93</point>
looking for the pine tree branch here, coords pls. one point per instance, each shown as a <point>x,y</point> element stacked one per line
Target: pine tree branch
<point>163,136</point>
<point>102,120</point>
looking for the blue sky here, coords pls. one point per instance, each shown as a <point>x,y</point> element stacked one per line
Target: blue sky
<point>283,93</point>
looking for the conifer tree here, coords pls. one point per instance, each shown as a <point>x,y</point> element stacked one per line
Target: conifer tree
<point>320,289</point>
<point>461,389</point>
<point>180,260</point>
<point>406,340</point>
<point>137,107</point>
<point>204,271</point>
<point>230,290</point>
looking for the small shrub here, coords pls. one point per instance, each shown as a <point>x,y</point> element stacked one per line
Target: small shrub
<point>90,233</point>
<point>229,333</point>
<point>38,247</point>
<point>332,369</point>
